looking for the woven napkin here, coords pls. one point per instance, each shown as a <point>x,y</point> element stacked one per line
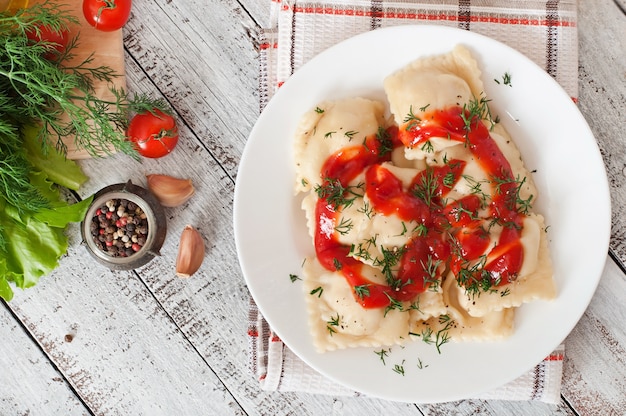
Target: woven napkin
<point>544,31</point>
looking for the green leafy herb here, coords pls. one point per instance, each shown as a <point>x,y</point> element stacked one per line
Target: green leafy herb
<point>33,241</point>
<point>427,147</point>
<point>294,278</point>
<point>514,200</point>
<point>56,96</point>
<point>443,336</point>
<point>475,110</point>
<point>332,323</point>
<point>506,79</point>
<point>399,368</point>
<point>384,140</point>
<point>411,120</point>
<point>431,277</point>
<point>350,134</point>
<point>404,229</point>
<point>426,335</point>
<point>362,291</point>
<point>448,180</point>
<point>421,229</point>
<point>382,354</point>
<point>44,100</point>
<point>394,304</point>
<point>366,209</point>
<point>361,250</point>
<point>475,187</point>
<point>318,290</point>
<point>337,264</point>
<point>390,259</point>
<point>426,188</point>
<point>344,226</point>
<point>473,277</point>
<point>337,195</point>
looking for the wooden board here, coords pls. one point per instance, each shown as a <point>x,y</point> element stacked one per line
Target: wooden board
<point>107,49</point>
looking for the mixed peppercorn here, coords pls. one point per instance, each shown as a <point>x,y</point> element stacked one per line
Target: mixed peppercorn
<point>119,228</point>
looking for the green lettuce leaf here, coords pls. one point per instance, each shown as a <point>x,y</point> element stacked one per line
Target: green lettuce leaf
<point>33,248</point>
<point>58,169</point>
<point>32,243</point>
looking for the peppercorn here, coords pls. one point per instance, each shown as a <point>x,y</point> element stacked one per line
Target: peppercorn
<point>119,228</point>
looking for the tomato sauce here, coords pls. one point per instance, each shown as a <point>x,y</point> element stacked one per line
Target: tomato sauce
<point>450,235</point>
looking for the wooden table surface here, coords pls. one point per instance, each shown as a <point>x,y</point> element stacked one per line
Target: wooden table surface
<point>87,340</point>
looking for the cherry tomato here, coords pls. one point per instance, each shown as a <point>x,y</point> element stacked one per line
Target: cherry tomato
<point>154,134</point>
<point>107,15</point>
<point>56,40</point>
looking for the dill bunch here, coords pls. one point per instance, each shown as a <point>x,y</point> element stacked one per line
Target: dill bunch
<point>56,97</point>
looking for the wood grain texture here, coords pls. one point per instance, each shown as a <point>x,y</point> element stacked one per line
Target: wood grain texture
<point>603,100</point>
<point>149,343</point>
<point>208,75</point>
<point>592,385</point>
<point>125,354</point>
<point>28,372</point>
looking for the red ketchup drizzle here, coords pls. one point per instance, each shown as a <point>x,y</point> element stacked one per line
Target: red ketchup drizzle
<point>426,205</point>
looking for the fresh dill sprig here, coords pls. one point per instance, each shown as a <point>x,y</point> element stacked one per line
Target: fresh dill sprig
<point>332,324</point>
<point>317,291</point>
<point>411,120</point>
<point>350,134</point>
<point>344,226</point>
<point>362,291</point>
<point>382,354</point>
<point>390,259</point>
<point>337,195</point>
<point>385,142</point>
<point>399,368</point>
<point>427,187</point>
<point>57,96</point>
<point>431,277</point>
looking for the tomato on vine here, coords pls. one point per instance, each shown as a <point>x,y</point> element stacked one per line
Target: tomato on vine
<point>107,15</point>
<point>153,133</point>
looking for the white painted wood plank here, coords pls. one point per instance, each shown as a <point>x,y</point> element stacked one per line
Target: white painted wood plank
<point>126,356</point>
<point>27,372</point>
<point>621,4</point>
<point>602,35</point>
<point>202,57</point>
<point>259,10</point>
<point>594,379</point>
<point>497,408</point>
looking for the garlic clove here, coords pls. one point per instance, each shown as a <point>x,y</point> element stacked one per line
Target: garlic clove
<point>190,252</point>
<point>170,191</point>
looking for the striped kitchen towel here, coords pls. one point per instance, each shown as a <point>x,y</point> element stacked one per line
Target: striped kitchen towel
<point>545,31</point>
<point>277,368</point>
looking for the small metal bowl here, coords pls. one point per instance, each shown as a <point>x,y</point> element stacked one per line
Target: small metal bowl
<point>157,226</point>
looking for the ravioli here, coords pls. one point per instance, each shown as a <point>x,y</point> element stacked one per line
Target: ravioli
<point>420,211</point>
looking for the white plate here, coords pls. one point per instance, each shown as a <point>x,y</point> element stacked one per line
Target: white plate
<point>554,139</point>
